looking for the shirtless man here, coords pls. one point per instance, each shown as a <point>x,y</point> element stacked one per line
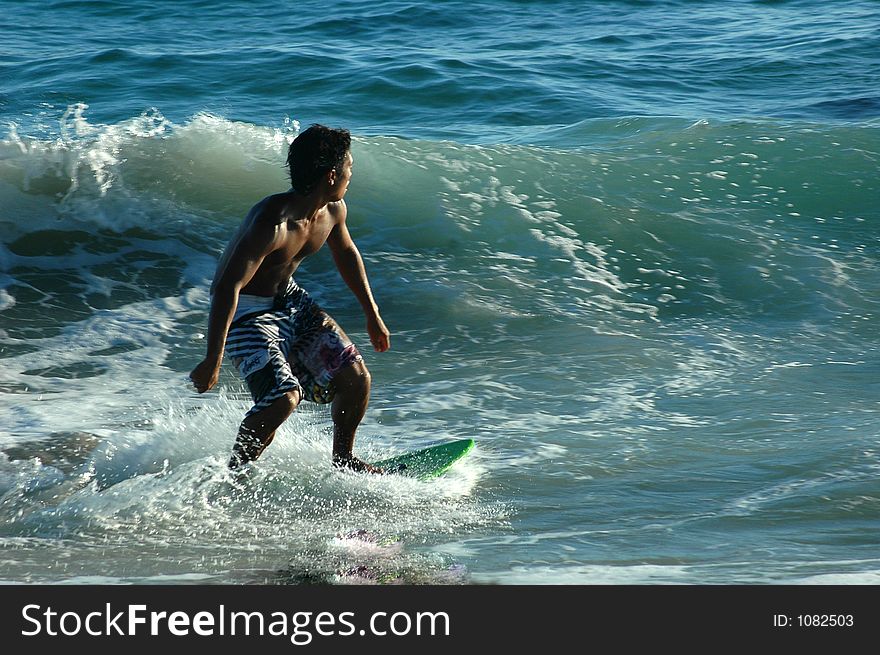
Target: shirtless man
<point>285,347</point>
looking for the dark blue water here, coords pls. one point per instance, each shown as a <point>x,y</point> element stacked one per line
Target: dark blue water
<point>479,71</point>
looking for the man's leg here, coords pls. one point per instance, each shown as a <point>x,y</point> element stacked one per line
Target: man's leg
<point>352,385</point>
<point>258,429</point>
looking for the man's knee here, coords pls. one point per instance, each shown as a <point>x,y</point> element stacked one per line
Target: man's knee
<point>277,412</point>
<point>355,377</point>
<point>364,375</point>
<point>293,397</point>
<point>285,404</point>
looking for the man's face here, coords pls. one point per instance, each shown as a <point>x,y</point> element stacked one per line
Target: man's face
<point>344,177</point>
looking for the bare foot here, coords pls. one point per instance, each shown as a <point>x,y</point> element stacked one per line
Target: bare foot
<point>355,464</point>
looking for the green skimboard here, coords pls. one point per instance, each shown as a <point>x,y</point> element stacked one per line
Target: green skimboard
<point>429,462</point>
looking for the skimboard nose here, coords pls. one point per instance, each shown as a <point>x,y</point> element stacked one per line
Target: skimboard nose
<point>429,462</point>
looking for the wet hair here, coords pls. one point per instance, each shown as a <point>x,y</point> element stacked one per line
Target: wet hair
<point>315,152</point>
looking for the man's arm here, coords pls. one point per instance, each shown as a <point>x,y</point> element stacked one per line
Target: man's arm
<point>351,268</point>
<point>248,253</point>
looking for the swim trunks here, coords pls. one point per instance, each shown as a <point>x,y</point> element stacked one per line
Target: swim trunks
<point>292,344</point>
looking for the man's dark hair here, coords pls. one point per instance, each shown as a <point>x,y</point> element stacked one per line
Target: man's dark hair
<point>315,152</point>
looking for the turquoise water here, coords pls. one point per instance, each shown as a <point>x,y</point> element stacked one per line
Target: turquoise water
<point>629,247</point>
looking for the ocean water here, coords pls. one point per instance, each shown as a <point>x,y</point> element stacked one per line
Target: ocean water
<point>629,247</point>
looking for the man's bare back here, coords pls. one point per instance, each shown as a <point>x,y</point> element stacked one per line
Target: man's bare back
<point>296,234</point>
<point>275,237</point>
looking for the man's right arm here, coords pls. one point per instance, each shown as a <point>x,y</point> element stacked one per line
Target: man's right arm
<point>248,253</point>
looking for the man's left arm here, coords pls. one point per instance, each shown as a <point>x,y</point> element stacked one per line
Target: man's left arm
<point>351,267</point>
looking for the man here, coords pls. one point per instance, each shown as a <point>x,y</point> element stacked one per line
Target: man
<point>285,347</point>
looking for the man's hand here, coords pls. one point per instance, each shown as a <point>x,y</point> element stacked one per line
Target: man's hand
<point>379,335</point>
<point>205,375</point>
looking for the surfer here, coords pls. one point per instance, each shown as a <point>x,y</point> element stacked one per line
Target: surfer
<point>283,344</point>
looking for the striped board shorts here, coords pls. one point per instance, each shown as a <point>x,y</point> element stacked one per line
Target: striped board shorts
<point>293,345</point>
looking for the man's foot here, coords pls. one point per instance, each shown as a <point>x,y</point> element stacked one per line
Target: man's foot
<point>241,473</point>
<point>353,463</point>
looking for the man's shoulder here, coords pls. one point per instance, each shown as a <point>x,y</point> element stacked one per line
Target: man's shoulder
<point>337,209</point>
<point>271,210</point>
<point>274,203</point>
